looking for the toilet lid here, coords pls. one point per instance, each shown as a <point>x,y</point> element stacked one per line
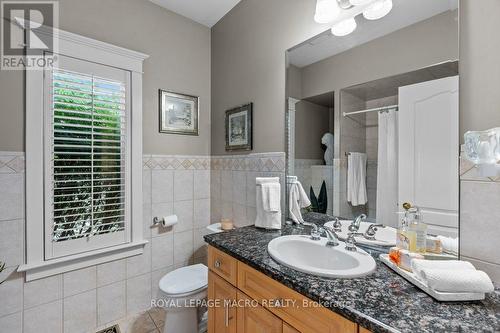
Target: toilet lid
<point>184,280</point>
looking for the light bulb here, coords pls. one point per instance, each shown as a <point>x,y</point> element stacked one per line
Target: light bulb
<point>359,2</point>
<point>344,27</point>
<point>378,10</point>
<point>326,11</point>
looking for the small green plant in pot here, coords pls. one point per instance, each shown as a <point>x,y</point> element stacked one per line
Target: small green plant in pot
<point>319,204</point>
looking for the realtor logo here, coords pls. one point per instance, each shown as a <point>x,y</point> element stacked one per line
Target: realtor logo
<point>28,39</point>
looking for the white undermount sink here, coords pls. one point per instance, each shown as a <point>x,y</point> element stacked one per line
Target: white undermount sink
<point>314,257</point>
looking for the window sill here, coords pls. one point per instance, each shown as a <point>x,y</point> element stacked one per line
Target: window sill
<point>38,270</point>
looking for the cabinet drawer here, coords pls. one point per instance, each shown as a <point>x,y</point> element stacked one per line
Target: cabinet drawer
<point>303,318</point>
<point>223,264</point>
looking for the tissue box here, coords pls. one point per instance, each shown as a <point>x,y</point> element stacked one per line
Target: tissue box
<point>406,257</point>
<point>403,258</point>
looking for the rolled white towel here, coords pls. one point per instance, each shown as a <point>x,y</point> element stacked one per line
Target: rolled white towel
<point>449,244</point>
<point>465,280</point>
<point>417,265</point>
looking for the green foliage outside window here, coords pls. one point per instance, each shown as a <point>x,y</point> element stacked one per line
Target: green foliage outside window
<point>88,155</point>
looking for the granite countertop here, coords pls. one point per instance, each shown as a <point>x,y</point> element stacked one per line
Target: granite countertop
<point>380,302</point>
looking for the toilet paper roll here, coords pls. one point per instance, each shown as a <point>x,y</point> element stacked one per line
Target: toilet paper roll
<point>168,221</point>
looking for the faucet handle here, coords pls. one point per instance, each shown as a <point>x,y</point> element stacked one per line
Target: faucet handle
<point>337,225</point>
<point>350,242</point>
<point>315,231</point>
<point>372,230</point>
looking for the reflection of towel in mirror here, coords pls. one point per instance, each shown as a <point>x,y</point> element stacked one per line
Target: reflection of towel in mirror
<point>271,197</point>
<point>449,244</point>
<point>297,199</point>
<point>356,179</point>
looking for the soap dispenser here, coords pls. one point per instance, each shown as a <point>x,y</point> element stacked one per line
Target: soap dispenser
<point>406,238</point>
<point>419,228</point>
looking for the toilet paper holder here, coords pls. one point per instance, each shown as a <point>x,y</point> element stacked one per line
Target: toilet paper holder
<point>158,220</point>
<point>165,221</point>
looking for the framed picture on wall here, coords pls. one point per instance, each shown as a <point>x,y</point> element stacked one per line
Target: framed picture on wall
<point>178,113</point>
<point>239,128</point>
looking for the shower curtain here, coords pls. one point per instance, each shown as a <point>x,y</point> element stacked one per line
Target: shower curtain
<point>387,170</point>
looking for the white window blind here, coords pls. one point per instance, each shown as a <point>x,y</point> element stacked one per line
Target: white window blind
<point>88,189</point>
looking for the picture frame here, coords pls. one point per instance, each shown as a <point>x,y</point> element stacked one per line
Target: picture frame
<point>239,127</point>
<point>178,113</point>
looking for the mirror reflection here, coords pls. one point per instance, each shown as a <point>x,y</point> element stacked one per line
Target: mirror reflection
<point>372,128</point>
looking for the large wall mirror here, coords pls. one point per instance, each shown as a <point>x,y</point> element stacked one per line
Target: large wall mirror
<point>372,118</point>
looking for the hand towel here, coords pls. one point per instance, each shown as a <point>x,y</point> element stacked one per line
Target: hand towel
<point>417,265</point>
<point>271,197</point>
<point>297,199</point>
<point>463,280</point>
<point>356,179</point>
<point>268,203</point>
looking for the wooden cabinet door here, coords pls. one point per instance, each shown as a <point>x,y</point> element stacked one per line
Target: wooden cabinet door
<point>253,318</point>
<point>222,313</point>
<point>289,329</point>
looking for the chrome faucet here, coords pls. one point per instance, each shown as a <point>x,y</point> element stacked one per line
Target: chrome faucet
<point>331,235</point>
<point>354,227</point>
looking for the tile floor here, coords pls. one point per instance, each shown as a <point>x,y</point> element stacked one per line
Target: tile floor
<point>151,321</point>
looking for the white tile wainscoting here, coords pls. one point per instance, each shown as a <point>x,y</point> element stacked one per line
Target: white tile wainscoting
<point>480,219</point>
<point>233,184</point>
<point>118,291</point>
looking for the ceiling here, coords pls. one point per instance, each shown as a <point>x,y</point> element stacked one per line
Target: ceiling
<point>325,100</point>
<point>206,12</point>
<point>403,14</point>
<point>389,86</point>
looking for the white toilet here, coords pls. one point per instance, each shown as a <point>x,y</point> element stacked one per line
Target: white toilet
<point>181,289</point>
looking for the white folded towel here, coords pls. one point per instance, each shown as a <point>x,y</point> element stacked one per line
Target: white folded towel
<point>268,207</point>
<point>297,199</point>
<point>451,276</point>
<point>465,280</point>
<point>356,179</point>
<point>417,265</point>
<point>271,197</point>
<point>449,244</point>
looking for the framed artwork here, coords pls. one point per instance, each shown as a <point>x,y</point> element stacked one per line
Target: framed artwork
<point>178,113</point>
<point>239,128</point>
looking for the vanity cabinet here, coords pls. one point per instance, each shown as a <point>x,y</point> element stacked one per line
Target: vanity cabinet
<point>275,307</point>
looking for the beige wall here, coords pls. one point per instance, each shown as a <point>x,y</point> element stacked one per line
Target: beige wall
<point>311,123</point>
<point>179,60</point>
<point>248,65</point>
<point>479,65</point>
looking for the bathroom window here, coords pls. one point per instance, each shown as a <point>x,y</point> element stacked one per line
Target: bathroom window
<point>83,157</point>
<point>88,131</point>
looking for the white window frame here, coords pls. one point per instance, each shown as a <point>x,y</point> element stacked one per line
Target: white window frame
<point>72,45</point>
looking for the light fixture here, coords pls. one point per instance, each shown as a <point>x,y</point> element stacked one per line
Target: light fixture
<point>483,149</point>
<point>345,27</point>
<point>359,2</point>
<point>326,11</point>
<point>378,10</point>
